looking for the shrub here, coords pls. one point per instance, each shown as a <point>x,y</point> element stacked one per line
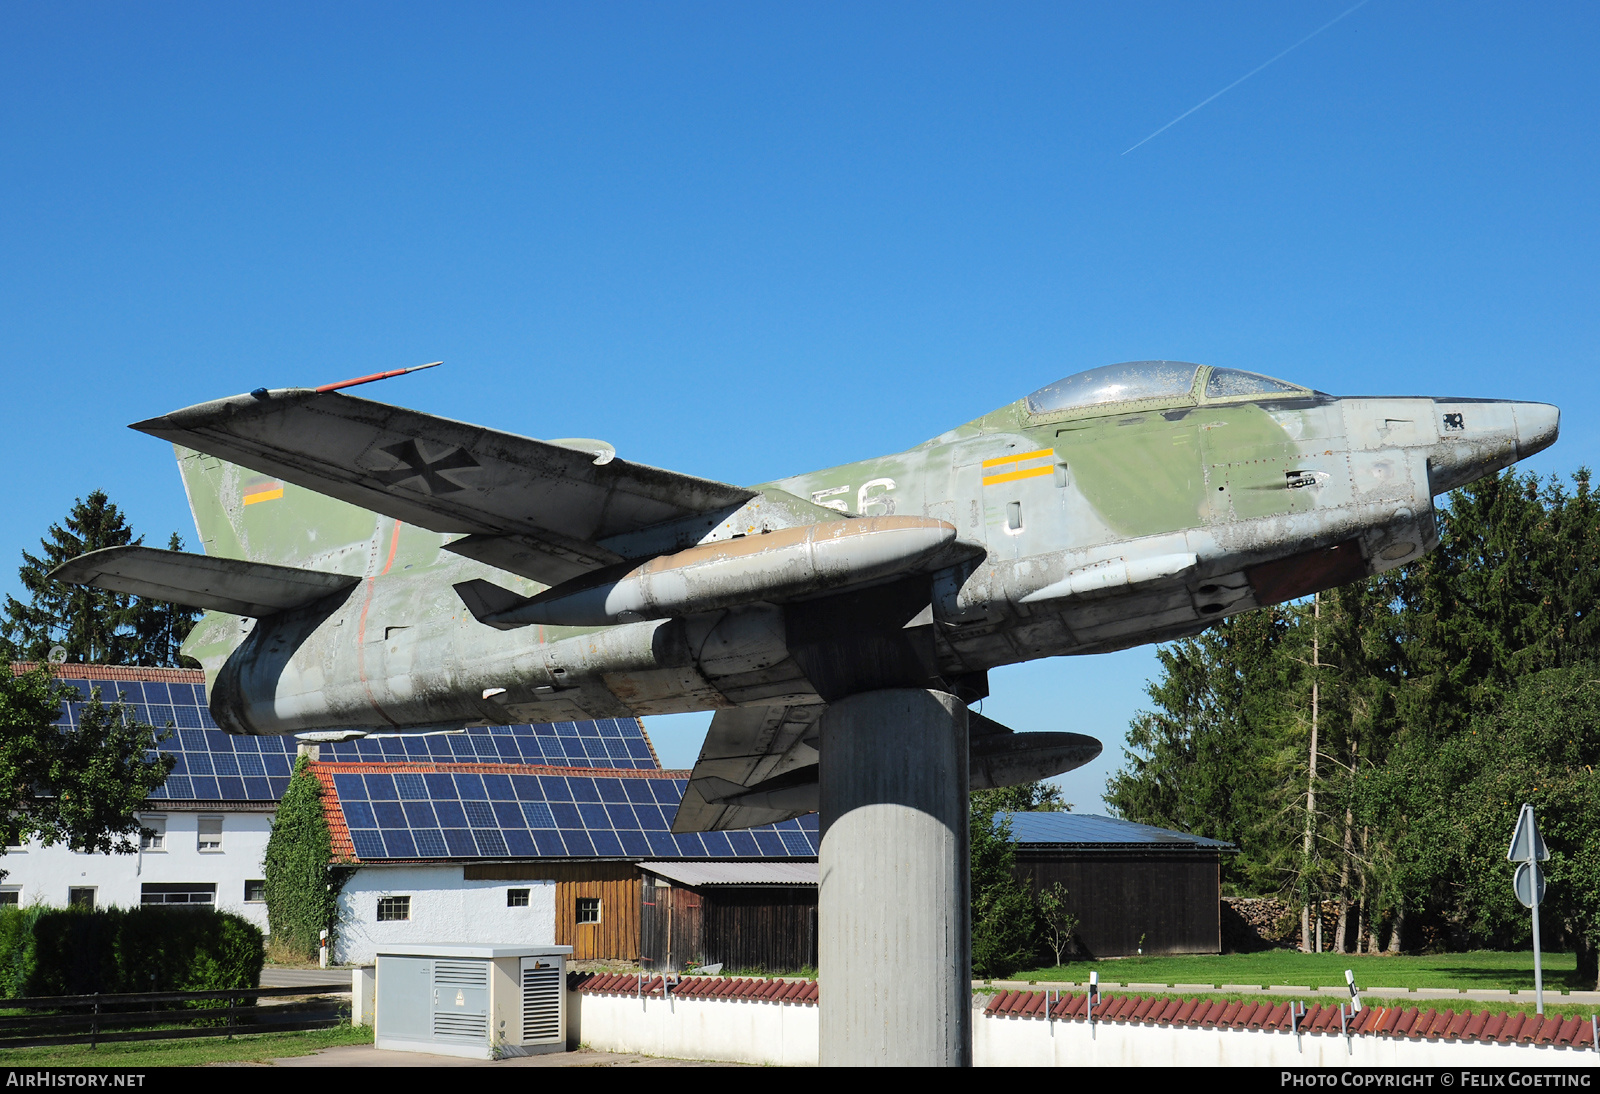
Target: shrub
<point>302,891</point>
<point>79,951</point>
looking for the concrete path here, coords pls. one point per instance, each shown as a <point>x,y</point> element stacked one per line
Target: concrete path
<point>368,1056</point>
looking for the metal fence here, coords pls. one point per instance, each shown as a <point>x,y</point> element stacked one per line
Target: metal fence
<point>141,1016</point>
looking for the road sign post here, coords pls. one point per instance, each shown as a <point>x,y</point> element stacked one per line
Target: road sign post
<point>1528,850</point>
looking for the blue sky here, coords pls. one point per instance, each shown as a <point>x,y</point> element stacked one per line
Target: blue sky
<point>747,240</point>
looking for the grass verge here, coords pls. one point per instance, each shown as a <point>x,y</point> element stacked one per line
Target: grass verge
<point>1486,969</point>
<point>255,1048</point>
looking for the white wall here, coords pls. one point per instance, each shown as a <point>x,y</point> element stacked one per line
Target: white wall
<point>782,1033</point>
<point>444,908</point>
<point>737,1030</point>
<point>45,874</point>
<point>1031,1042</point>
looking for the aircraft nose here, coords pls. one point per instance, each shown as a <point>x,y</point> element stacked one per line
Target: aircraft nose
<point>1479,437</point>
<point>1537,427</point>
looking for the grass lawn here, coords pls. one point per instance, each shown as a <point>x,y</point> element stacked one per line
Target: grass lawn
<point>257,1048</point>
<point>1489,969</point>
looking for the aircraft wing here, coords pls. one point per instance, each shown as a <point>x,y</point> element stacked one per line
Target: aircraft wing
<point>230,585</point>
<point>746,747</point>
<point>534,507</point>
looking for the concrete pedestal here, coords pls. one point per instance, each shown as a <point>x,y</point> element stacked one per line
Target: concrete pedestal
<point>894,915</point>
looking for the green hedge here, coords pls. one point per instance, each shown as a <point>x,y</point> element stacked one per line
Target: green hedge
<point>75,951</point>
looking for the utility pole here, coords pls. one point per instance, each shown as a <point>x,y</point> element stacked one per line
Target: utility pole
<point>1311,779</point>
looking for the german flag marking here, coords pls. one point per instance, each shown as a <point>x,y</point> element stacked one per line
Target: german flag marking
<point>267,491</point>
<point>1023,465</point>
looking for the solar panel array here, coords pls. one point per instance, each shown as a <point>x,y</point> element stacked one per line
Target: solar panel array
<point>215,766</point>
<point>211,765</point>
<point>411,815</point>
<point>608,742</point>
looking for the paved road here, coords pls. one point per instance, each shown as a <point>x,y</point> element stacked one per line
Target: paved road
<point>274,977</point>
<point>367,1056</point>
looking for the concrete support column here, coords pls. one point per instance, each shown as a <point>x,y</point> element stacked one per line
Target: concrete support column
<point>894,914</point>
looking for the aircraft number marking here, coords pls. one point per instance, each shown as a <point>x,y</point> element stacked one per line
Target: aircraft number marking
<point>872,495</point>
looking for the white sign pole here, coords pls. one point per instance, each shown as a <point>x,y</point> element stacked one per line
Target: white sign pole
<point>1538,971</point>
<point>1527,847</point>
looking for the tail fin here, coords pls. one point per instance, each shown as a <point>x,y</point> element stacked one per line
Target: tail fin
<point>239,513</point>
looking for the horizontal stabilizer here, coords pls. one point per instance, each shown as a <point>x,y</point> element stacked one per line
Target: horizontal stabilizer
<point>485,599</point>
<point>759,765</point>
<point>228,585</point>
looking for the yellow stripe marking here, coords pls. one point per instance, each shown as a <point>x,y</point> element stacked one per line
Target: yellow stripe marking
<point>264,495</point>
<point>1020,456</point>
<point>1012,476</point>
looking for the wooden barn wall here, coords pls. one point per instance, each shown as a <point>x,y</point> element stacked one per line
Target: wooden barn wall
<point>616,936</point>
<point>773,929</point>
<point>1174,900</point>
<point>669,926</point>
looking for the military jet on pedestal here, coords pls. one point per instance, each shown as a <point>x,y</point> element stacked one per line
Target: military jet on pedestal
<point>369,567</point>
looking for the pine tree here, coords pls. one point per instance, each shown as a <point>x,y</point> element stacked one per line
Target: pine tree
<point>94,626</point>
<point>160,627</point>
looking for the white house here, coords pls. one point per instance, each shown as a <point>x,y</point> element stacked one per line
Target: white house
<point>210,821</point>
<point>387,905</point>
<point>204,854</point>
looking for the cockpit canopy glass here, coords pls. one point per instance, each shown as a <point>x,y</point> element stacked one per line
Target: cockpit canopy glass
<point>1224,383</point>
<point>1117,384</point>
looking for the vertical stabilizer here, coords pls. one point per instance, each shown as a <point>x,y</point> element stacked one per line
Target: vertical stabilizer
<point>240,513</point>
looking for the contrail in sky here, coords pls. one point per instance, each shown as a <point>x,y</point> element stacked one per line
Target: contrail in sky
<point>1249,74</point>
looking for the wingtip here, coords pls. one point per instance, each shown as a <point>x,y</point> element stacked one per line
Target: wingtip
<point>174,423</point>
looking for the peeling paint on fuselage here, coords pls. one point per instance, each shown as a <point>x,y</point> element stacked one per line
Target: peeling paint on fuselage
<point>1040,502</point>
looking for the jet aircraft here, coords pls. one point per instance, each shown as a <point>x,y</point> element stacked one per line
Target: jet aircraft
<point>373,568</point>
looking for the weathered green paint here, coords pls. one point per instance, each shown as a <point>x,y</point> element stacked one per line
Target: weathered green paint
<point>1098,527</point>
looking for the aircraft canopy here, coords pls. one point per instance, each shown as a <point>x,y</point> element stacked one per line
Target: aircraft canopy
<point>1133,381</point>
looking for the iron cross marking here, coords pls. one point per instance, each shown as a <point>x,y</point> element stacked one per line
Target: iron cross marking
<point>419,471</point>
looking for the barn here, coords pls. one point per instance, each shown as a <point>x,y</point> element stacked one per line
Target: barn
<point>741,915</point>
<point>1134,888</point>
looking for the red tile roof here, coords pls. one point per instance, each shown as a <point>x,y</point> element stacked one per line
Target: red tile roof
<point>79,671</point>
<point>1321,1019</point>
<point>697,987</point>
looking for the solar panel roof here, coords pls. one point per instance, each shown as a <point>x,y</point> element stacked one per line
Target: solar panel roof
<point>211,765</point>
<point>393,813</point>
<point>215,766</point>
<point>1088,828</point>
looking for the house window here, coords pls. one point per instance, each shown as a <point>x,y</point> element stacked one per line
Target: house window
<point>391,908</point>
<point>588,910</point>
<point>81,898</point>
<point>517,898</point>
<point>210,834</point>
<point>189,894</point>
<point>153,836</point>
<point>255,892</point>
<point>11,896</point>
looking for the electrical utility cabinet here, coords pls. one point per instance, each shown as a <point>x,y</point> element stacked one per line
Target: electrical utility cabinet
<point>479,1001</point>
